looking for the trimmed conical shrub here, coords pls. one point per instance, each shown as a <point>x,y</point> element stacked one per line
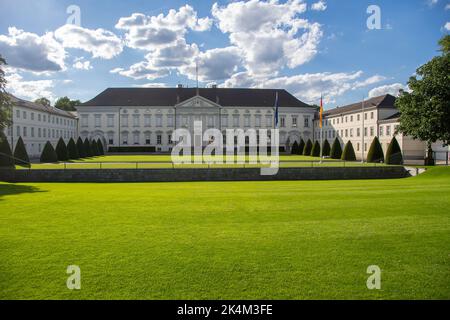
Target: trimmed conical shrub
<point>6,158</point>
<point>308,147</point>
<point>294,149</point>
<point>301,146</point>
<point>100,147</point>
<point>61,150</point>
<point>349,153</point>
<point>94,148</point>
<point>375,153</point>
<point>72,150</point>
<point>394,153</point>
<point>87,148</point>
<point>336,149</point>
<point>315,152</point>
<point>20,153</point>
<point>49,154</point>
<point>80,148</point>
<point>326,148</point>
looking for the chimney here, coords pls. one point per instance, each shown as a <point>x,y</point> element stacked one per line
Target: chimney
<point>179,88</point>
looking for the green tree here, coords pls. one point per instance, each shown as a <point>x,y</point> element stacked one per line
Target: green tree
<point>375,154</point>
<point>425,111</point>
<point>66,104</point>
<point>394,153</point>
<point>94,148</point>
<point>315,152</point>
<point>349,153</point>
<point>326,148</point>
<point>336,149</point>
<point>294,149</point>
<point>61,150</point>
<point>72,150</point>
<point>20,153</point>
<point>43,101</point>
<point>6,159</point>
<point>80,148</point>
<point>308,147</point>
<point>301,147</point>
<point>48,155</point>
<point>87,148</point>
<point>5,102</point>
<point>100,147</point>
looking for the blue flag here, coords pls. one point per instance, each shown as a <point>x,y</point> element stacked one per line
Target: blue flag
<point>276,110</point>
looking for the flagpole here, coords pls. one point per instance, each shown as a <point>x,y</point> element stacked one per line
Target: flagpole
<point>362,132</point>
<point>321,128</point>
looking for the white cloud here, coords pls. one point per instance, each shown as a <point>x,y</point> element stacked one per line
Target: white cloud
<point>28,51</point>
<point>319,6</point>
<point>392,89</point>
<point>30,90</point>
<point>152,85</point>
<point>269,34</point>
<point>82,64</point>
<point>151,32</point>
<point>142,70</point>
<point>447,6</point>
<point>432,3</point>
<point>447,26</point>
<point>100,43</point>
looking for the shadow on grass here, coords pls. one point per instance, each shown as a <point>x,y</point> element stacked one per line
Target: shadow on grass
<point>9,189</point>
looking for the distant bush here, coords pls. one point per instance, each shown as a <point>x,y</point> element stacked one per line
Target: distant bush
<point>301,147</point>
<point>375,154</point>
<point>80,148</point>
<point>336,149</point>
<point>20,153</point>
<point>87,148</point>
<point>49,154</point>
<point>315,152</point>
<point>308,147</point>
<point>72,150</point>
<point>349,153</point>
<point>6,159</point>
<point>61,150</point>
<point>394,153</point>
<point>294,149</point>
<point>94,148</point>
<point>326,148</point>
<point>100,147</point>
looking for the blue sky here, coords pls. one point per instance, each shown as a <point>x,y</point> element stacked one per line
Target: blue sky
<point>306,47</point>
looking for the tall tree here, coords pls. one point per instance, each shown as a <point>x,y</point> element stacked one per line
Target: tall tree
<point>6,158</point>
<point>43,101</point>
<point>425,111</point>
<point>66,104</point>
<point>5,103</point>
<point>20,153</point>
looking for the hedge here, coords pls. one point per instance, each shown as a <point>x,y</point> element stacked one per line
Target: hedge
<point>49,154</point>
<point>308,147</point>
<point>72,150</point>
<point>20,154</point>
<point>294,149</point>
<point>61,150</point>
<point>301,146</point>
<point>100,147</point>
<point>87,148</point>
<point>336,150</point>
<point>326,148</point>
<point>375,154</point>
<point>349,153</point>
<point>315,152</point>
<point>394,153</point>
<point>6,159</point>
<point>80,148</point>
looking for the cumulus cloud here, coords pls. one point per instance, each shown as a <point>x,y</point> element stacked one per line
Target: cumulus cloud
<point>100,43</point>
<point>270,34</point>
<point>142,70</point>
<point>319,6</point>
<point>447,26</point>
<point>30,90</point>
<point>81,64</point>
<point>28,51</point>
<point>150,32</point>
<point>392,89</point>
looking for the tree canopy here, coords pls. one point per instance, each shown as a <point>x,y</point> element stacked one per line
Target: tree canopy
<point>5,103</point>
<point>66,104</point>
<point>43,101</point>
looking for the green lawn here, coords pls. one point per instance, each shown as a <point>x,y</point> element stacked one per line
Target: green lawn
<point>236,240</point>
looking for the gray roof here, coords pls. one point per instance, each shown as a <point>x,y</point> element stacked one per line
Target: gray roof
<point>394,117</point>
<point>39,107</point>
<point>227,97</point>
<point>386,101</point>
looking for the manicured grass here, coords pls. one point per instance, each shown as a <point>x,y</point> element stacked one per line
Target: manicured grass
<point>238,240</point>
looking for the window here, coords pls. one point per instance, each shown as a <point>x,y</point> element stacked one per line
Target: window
<point>337,120</point>
<point>18,114</point>
<point>224,121</point>
<point>147,138</point>
<point>236,120</point>
<point>357,146</point>
<point>136,138</point>
<point>381,131</point>
<point>388,130</point>
<point>210,121</point>
<point>346,133</point>
<point>365,116</point>
<point>346,119</point>
<point>159,139</point>
<point>351,132</point>
<point>269,121</point>
<point>147,120</point>
<point>32,132</point>
<point>294,122</point>
<point>98,119</point>
<point>39,117</point>
<point>372,131</point>
<point>306,120</point>
<point>24,114</point>
<point>136,120</point>
<point>45,132</point>
<point>169,139</point>
<point>159,120</point>
<point>371,115</point>
<point>110,138</point>
<point>358,117</point>
<point>124,120</point>
<point>44,117</point>
<point>110,120</point>
<point>84,120</point>
<point>358,132</point>
<point>170,120</point>
<point>365,147</point>
<point>351,118</point>
<point>365,132</point>
<point>32,116</point>
<point>24,131</point>
<point>258,121</point>
<point>282,122</point>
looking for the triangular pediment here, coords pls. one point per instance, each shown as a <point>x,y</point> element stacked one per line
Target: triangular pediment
<point>197,102</point>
